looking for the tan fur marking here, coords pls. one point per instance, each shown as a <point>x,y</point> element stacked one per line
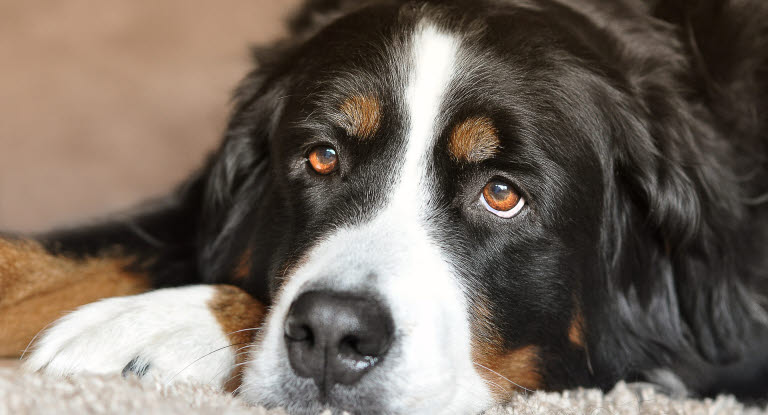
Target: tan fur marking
<point>576,330</point>
<point>362,115</point>
<point>243,267</point>
<point>474,140</point>
<point>497,365</point>
<point>500,368</point>
<point>236,312</point>
<point>37,288</point>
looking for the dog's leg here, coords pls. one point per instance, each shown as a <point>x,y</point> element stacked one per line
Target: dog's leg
<point>37,287</point>
<point>44,277</point>
<point>195,333</point>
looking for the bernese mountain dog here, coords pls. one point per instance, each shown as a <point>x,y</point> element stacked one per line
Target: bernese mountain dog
<point>424,206</point>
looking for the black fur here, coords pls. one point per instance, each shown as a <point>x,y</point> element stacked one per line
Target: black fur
<point>636,129</point>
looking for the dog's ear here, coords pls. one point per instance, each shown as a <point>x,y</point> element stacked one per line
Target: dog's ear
<point>675,216</point>
<point>677,172</point>
<point>700,99</point>
<point>237,176</point>
<point>728,51</point>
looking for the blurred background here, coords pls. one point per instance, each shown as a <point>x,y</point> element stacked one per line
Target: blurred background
<point>106,103</point>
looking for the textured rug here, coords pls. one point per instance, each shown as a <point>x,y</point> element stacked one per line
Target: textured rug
<point>26,393</point>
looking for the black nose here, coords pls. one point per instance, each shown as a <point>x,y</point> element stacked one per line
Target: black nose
<point>336,337</point>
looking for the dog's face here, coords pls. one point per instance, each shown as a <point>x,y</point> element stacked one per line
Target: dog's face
<point>432,212</point>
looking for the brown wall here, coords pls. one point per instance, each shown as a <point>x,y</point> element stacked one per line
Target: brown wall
<point>105,103</point>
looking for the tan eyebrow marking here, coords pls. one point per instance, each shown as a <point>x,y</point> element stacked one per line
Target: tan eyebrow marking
<point>362,115</point>
<point>474,140</point>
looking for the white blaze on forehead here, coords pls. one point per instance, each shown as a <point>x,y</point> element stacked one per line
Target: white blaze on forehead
<point>433,59</point>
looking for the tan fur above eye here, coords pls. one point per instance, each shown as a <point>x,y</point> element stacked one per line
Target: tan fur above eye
<point>362,115</point>
<point>474,140</point>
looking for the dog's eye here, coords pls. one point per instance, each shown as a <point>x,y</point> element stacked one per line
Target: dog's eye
<point>500,198</point>
<point>323,159</point>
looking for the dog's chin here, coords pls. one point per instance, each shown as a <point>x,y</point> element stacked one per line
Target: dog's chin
<point>301,396</point>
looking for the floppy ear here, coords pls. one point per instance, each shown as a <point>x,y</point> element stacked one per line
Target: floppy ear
<point>700,94</point>
<point>728,48</point>
<point>237,176</point>
<point>675,222</point>
<point>677,172</point>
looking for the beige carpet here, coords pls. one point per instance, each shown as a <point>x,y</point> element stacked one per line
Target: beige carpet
<point>25,393</point>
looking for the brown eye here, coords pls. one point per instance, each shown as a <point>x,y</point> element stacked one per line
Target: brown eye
<point>501,199</point>
<point>323,159</point>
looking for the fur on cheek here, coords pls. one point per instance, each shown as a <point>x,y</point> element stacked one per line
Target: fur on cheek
<point>506,371</point>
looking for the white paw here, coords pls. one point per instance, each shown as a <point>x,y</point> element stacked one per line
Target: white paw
<point>169,335</point>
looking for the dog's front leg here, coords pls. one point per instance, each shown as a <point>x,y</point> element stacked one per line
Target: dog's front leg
<point>196,333</point>
<point>37,287</point>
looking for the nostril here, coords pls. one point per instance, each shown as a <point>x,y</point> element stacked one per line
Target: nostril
<point>297,331</point>
<point>350,346</point>
<point>335,338</point>
<point>371,345</point>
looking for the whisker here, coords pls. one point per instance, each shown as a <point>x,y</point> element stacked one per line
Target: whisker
<point>503,377</point>
<point>500,388</point>
<point>241,364</point>
<point>240,331</point>
<point>142,233</point>
<point>199,359</point>
<point>237,389</point>
<point>237,365</point>
<point>243,354</point>
<point>231,369</point>
<point>247,346</point>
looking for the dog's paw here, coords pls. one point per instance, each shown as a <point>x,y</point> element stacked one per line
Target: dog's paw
<point>167,335</point>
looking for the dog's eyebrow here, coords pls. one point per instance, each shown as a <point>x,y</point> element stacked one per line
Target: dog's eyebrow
<point>474,140</point>
<point>362,115</point>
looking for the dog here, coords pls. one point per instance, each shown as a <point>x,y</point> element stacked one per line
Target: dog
<point>427,206</point>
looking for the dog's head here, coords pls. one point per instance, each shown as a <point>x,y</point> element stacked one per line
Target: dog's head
<point>436,199</point>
